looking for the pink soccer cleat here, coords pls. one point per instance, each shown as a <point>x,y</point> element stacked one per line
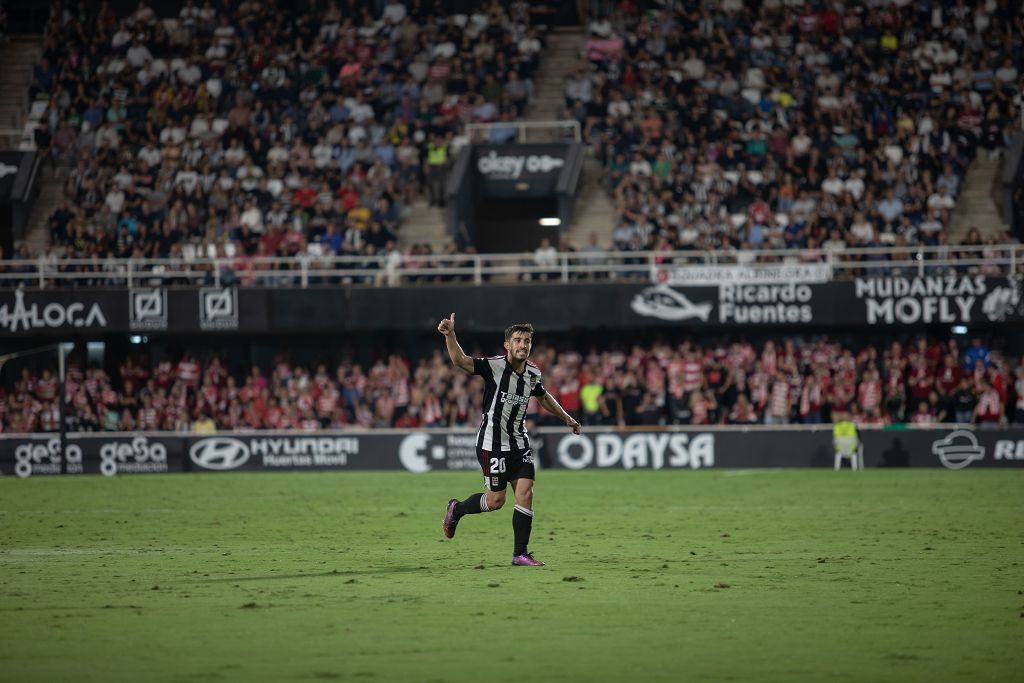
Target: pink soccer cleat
<point>526,560</point>
<point>450,520</point>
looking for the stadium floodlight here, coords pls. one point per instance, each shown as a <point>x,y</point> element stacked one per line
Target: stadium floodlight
<point>61,399</point>
<point>550,222</point>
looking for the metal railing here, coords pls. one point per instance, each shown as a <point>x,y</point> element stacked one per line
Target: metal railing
<point>654,266</point>
<point>556,130</point>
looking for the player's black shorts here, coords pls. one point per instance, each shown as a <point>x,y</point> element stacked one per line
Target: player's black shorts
<point>500,467</point>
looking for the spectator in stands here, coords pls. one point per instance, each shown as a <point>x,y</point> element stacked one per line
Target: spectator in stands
<point>977,352</point>
<point>748,130</point>
<point>340,100</point>
<point>989,411</point>
<point>1018,391</point>
<point>963,402</point>
<point>546,258</point>
<point>777,410</point>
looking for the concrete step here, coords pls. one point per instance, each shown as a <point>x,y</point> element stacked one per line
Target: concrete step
<point>21,62</point>
<point>975,206</point>
<point>425,225</point>
<point>545,111</point>
<point>595,213</point>
<point>563,52</point>
<point>37,233</point>
<point>563,64</point>
<point>17,56</point>
<point>982,161</point>
<point>986,219</point>
<point>422,226</point>
<point>556,80</point>
<point>978,213</point>
<point>548,101</point>
<point>548,104</point>
<point>559,59</point>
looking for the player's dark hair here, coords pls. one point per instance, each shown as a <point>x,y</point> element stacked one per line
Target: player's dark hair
<point>518,327</point>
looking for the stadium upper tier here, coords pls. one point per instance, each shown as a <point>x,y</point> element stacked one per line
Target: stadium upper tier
<point>854,121</point>
<point>397,268</point>
<point>294,115</point>
<point>849,124</point>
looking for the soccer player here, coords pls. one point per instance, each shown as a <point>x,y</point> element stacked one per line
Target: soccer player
<point>502,445</point>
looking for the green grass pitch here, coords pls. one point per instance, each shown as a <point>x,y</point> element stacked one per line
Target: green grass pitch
<point>786,576</point>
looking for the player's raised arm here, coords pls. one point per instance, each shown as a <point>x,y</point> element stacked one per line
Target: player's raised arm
<point>548,402</point>
<point>458,356</point>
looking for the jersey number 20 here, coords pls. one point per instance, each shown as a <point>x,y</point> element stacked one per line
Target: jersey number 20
<point>497,465</point>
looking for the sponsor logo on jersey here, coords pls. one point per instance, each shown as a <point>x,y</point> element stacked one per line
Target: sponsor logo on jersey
<point>513,398</point>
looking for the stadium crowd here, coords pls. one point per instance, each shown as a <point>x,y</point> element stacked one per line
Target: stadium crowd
<point>819,380</point>
<point>266,128</point>
<point>793,124</point>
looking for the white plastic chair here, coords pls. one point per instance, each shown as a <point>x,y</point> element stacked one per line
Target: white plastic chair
<point>849,447</point>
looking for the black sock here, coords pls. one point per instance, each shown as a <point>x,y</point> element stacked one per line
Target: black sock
<point>522,524</point>
<point>470,506</point>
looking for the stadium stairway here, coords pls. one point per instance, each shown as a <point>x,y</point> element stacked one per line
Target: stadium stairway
<point>561,55</point>
<point>595,211</point>
<point>975,206</point>
<point>51,191</point>
<point>17,57</point>
<point>423,224</point>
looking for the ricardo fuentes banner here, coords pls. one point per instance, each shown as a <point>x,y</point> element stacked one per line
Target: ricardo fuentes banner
<point>949,299</point>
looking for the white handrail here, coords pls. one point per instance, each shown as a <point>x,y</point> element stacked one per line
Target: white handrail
<point>309,270</point>
<point>521,127</point>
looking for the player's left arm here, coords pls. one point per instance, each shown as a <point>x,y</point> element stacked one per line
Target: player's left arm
<point>548,402</point>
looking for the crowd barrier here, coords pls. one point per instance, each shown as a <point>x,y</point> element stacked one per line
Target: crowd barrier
<point>419,451</point>
<point>958,300</point>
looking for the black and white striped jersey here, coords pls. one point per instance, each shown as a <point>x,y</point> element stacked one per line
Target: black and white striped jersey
<point>507,392</point>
